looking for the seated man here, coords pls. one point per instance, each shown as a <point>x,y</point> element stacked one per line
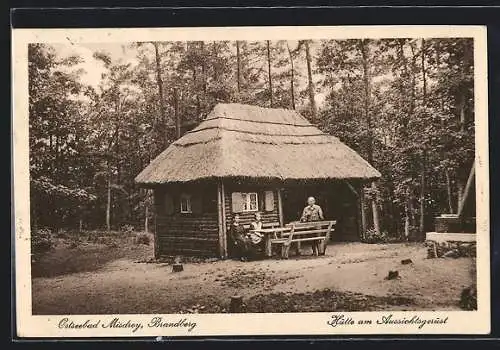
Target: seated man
<point>242,244</point>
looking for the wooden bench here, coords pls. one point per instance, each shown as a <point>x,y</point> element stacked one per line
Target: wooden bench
<point>318,233</point>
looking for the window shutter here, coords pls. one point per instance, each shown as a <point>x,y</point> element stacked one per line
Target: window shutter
<point>169,204</point>
<point>237,202</point>
<point>269,200</point>
<point>196,205</point>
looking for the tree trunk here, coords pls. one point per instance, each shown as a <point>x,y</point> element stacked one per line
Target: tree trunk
<point>203,78</point>
<point>159,81</point>
<point>376,220</point>
<point>238,66</point>
<point>108,202</point>
<point>407,219</point>
<point>310,84</point>
<point>422,197</point>
<point>366,86</point>
<point>448,191</point>
<point>270,81</point>
<point>34,212</point>
<point>422,175</point>
<point>413,82</point>
<point>462,114</point>
<point>467,190</point>
<point>460,190</point>
<point>424,78</point>
<point>55,169</point>
<point>363,212</point>
<point>197,95</point>
<point>292,76</point>
<point>146,218</point>
<point>363,46</point>
<point>460,181</point>
<point>177,114</point>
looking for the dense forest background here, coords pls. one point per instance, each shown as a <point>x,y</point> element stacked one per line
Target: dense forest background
<point>406,105</point>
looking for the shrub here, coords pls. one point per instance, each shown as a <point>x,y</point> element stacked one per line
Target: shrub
<point>61,234</point>
<point>41,241</point>
<point>127,228</point>
<point>142,238</point>
<point>112,244</point>
<point>103,240</point>
<point>468,298</point>
<point>371,236</point>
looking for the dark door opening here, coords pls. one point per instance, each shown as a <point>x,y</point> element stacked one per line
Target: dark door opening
<point>336,200</point>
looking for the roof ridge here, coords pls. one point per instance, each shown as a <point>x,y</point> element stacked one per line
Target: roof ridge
<point>252,132</point>
<point>219,138</point>
<point>258,121</point>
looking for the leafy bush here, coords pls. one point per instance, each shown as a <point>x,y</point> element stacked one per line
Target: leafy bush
<point>468,298</point>
<point>41,241</point>
<point>371,236</point>
<point>127,229</point>
<point>142,238</point>
<point>112,244</point>
<point>62,234</point>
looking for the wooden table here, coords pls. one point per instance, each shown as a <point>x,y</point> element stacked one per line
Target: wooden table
<point>270,233</point>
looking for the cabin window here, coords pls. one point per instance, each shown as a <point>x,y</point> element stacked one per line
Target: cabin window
<point>250,201</point>
<point>186,203</point>
<point>245,202</point>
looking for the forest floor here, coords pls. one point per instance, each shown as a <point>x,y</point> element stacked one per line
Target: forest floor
<point>119,278</point>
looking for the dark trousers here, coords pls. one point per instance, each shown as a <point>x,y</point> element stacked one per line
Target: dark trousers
<point>244,248</point>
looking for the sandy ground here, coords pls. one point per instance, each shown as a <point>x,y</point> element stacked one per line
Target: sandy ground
<point>124,286</point>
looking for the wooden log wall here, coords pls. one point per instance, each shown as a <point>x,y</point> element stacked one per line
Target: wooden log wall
<point>177,235</point>
<point>196,233</point>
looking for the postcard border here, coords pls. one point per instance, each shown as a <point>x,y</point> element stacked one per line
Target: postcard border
<point>461,322</point>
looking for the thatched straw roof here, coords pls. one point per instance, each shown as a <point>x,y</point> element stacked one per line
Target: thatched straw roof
<point>237,140</point>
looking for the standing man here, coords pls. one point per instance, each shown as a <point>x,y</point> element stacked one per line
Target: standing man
<point>312,212</point>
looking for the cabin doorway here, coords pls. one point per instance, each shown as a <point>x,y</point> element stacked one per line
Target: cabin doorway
<point>337,201</point>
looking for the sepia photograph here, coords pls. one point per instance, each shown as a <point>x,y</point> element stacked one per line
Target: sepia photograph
<point>254,175</point>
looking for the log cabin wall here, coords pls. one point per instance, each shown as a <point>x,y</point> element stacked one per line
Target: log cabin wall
<point>268,216</point>
<point>194,233</point>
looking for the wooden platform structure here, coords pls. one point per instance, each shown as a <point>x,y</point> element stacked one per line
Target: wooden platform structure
<point>456,227</point>
<point>450,237</point>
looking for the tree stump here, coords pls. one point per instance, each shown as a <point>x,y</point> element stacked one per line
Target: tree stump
<point>236,304</point>
<point>392,275</point>
<point>177,267</point>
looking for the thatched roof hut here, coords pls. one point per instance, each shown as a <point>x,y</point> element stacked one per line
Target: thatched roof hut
<point>238,140</point>
<point>245,159</point>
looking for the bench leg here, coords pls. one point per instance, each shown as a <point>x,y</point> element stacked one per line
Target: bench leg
<point>315,248</point>
<point>297,248</point>
<point>322,246</point>
<point>285,248</point>
<point>269,249</point>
